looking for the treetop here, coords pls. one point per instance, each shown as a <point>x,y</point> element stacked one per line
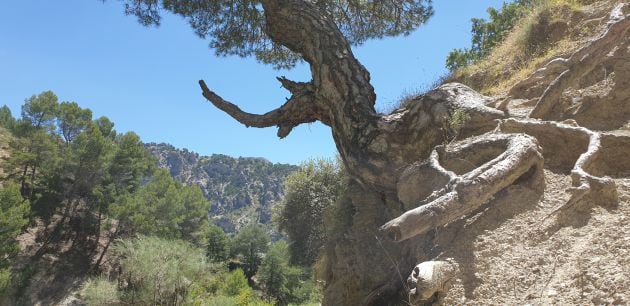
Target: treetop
<point>238,27</point>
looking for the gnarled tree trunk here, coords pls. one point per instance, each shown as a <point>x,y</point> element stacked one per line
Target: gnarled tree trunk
<point>402,185</point>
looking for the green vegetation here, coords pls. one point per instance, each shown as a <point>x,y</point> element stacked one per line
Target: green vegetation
<point>218,244</point>
<point>453,125</point>
<point>285,283</point>
<point>100,291</point>
<point>13,217</point>
<point>83,179</point>
<point>309,192</point>
<point>163,208</point>
<point>238,27</point>
<point>249,245</point>
<point>486,34</point>
<point>160,271</point>
<point>515,41</point>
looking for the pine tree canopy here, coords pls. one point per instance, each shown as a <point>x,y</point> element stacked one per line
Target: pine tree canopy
<point>238,27</point>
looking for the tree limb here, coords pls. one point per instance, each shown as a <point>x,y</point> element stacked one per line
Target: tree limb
<point>300,108</point>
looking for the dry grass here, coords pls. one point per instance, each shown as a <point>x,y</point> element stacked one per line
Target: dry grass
<point>547,32</point>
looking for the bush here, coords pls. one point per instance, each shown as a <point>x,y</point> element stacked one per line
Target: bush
<point>13,217</point>
<point>160,271</point>
<point>309,192</point>
<point>234,283</point>
<point>249,244</point>
<point>100,291</point>
<point>221,301</point>
<point>5,280</point>
<point>218,244</point>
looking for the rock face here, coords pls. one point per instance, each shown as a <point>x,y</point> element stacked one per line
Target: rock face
<point>241,190</point>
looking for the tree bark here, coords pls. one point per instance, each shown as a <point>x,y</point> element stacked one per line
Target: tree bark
<point>375,149</point>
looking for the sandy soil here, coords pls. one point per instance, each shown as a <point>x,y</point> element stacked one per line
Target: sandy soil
<point>515,253</point>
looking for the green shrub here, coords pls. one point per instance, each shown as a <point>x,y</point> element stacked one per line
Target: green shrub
<point>100,291</point>
<point>221,301</point>
<point>5,280</point>
<point>249,245</point>
<point>309,192</point>
<point>234,283</point>
<point>160,271</point>
<point>13,217</point>
<point>453,125</point>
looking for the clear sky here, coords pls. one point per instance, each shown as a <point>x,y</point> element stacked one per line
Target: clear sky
<point>145,79</point>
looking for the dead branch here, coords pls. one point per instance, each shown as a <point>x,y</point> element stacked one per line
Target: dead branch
<point>300,108</point>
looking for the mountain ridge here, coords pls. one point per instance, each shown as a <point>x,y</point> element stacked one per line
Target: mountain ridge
<point>241,189</point>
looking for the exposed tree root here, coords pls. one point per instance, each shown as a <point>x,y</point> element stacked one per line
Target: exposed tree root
<point>580,64</point>
<point>583,181</point>
<point>463,177</point>
<point>500,160</point>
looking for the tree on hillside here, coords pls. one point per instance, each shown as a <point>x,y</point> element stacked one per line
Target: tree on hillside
<point>163,208</point>
<point>274,271</point>
<point>72,120</point>
<point>308,193</point>
<point>41,110</point>
<point>14,215</point>
<point>36,146</point>
<point>14,212</point>
<point>218,248</point>
<point>6,118</point>
<point>249,244</point>
<point>387,156</point>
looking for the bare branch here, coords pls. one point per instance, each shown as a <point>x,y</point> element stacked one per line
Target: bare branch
<point>300,108</point>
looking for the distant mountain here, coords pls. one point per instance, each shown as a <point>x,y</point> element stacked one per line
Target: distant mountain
<point>241,190</point>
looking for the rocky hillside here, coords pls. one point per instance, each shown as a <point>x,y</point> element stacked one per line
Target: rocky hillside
<point>241,190</point>
<point>563,246</point>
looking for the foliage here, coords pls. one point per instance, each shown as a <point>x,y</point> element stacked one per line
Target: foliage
<point>14,212</point>
<point>218,244</point>
<point>6,119</point>
<point>72,120</point>
<point>308,193</point>
<point>221,300</point>
<point>249,244</point>
<point>40,110</point>
<point>165,208</point>
<point>273,273</point>
<point>5,280</point>
<point>284,283</point>
<point>238,27</point>
<point>279,279</point>
<point>488,33</point>
<point>100,291</point>
<point>234,283</point>
<point>535,39</point>
<point>454,123</point>
<point>159,271</point>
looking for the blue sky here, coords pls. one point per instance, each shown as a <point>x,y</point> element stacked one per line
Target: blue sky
<point>145,79</point>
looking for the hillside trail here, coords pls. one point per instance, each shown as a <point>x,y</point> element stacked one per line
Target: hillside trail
<point>527,248</point>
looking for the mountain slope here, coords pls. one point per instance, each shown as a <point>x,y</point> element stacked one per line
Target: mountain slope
<point>241,190</point>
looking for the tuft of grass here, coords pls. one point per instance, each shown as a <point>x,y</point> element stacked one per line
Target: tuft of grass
<point>454,124</point>
<point>410,94</point>
<point>541,35</point>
